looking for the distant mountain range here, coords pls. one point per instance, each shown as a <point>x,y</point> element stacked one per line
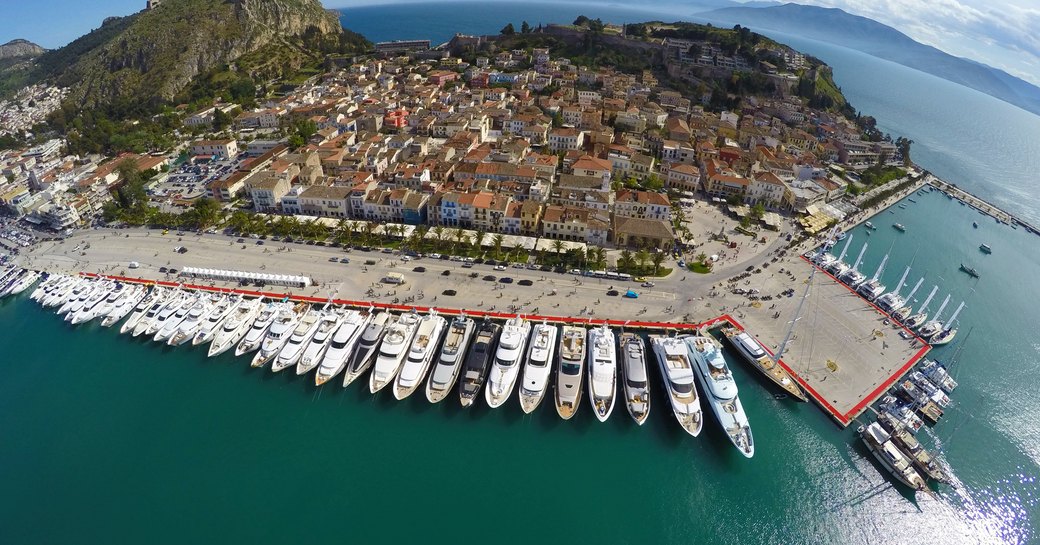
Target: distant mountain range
<point>869,36</point>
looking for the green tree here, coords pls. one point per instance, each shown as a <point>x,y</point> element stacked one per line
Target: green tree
<point>625,260</point>
<point>496,243</point>
<point>653,182</point>
<point>207,212</point>
<point>508,30</point>
<point>657,259</point>
<point>221,120</point>
<point>642,257</point>
<point>525,28</point>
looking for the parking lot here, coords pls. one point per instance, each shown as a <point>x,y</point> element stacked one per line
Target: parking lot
<point>189,181</point>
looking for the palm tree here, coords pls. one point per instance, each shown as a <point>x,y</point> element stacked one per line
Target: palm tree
<point>557,246</point>
<point>702,257</point>
<point>625,262</point>
<point>367,229</point>
<point>496,242</point>
<point>459,234</point>
<point>642,256</point>
<point>478,240</point>
<point>438,231</point>
<point>657,259</point>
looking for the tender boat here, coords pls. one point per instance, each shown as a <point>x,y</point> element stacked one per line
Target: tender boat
<point>880,445</point>
<point>256,333</point>
<point>314,352</point>
<point>677,370</point>
<point>756,356</point>
<point>420,354</point>
<point>291,350</point>
<point>236,325</point>
<point>720,391</point>
<point>602,355</point>
<point>899,227</point>
<point>215,319</point>
<point>534,380</point>
<point>985,248</point>
<point>474,371</point>
<point>569,375</point>
<point>636,380</point>
<point>449,362</point>
<point>361,358</point>
<point>278,334</point>
<point>870,226</point>
<point>392,351</point>
<point>506,366</point>
<point>342,343</point>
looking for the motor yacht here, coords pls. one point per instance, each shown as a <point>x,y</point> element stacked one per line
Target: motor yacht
<point>569,375</point>
<point>534,380</point>
<point>392,351</point>
<point>602,354</point>
<point>506,366</point>
<point>421,352</point>
<point>449,361</point>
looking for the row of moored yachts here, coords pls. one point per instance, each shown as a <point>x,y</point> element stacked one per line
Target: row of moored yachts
<point>409,349</point>
<point>14,280</point>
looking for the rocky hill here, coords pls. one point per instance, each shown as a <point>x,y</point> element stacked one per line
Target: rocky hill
<point>145,59</point>
<point>20,48</point>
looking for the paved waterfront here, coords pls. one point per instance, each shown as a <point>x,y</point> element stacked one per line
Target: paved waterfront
<point>836,325</point>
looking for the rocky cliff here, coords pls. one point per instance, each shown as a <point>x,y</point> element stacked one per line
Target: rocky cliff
<point>20,48</point>
<point>160,51</point>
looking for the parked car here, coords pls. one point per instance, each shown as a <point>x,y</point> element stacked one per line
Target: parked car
<point>446,273</point>
<point>525,282</point>
<point>419,269</point>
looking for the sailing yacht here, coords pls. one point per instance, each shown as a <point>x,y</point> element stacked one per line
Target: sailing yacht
<point>677,370</point>
<point>282,328</point>
<point>879,442</point>
<point>291,350</point>
<point>873,288</point>
<point>314,351</point>
<point>934,325</point>
<point>341,344</point>
<point>756,356</point>
<point>721,392</point>
<point>208,328</point>
<point>360,359</point>
<point>474,371</point>
<point>637,384</point>
<point>449,361</point>
<point>602,356</point>
<point>235,326</point>
<point>254,336</point>
<point>534,379</point>
<point>392,351</point>
<point>196,317</point>
<point>892,302</point>
<point>916,320</point>
<point>420,354</point>
<point>838,267</point>
<point>506,365</point>
<point>946,334</point>
<point>852,277</point>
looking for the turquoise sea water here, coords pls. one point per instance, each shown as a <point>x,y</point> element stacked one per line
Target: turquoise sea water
<point>105,439</point>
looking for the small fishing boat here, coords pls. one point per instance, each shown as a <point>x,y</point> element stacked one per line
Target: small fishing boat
<point>985,248</point>
<point>970,270</point>
<point>899,227</point>
<point>870,226</point>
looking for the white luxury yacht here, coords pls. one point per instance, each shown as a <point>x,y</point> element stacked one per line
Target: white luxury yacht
<point>291,351</point>
<point>314,351</point>
<point>534,380</point>
<point>721,392</point>
<point>208,328</point>
<point>235,326</point>
<point>254,335</point>
<point>133,300</point>
<point>157,312</point>
<point>449,361</point>
<point>602,371</point>
<point>392,351</point>
<point>360,359</point>
<point>196,307</point>
<point>341,344</point>
<point>173,313</point>
<point>152,303</point>
<point>637,384</point>
<point>197,316</point>
<point>677,371</point>
<point>420,354</point>
<point>507,361</point>
<point>278,334</point>
<point>103,299</point>
<point>568,376</point>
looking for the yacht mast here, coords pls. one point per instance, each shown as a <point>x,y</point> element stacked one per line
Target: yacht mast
<point>797,316</point>
<point>902,281</point>
<point>928,300</point>
<point>845,249</point>
<point>880,268</point>
<point>860,257</point>
<point>941,307</point>
<point>949,323</point>
<point>913,291</point>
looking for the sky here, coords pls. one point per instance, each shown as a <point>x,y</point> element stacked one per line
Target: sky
<point>1001,33</point>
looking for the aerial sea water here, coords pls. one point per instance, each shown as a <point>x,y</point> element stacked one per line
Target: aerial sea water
<point>116,440</point>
